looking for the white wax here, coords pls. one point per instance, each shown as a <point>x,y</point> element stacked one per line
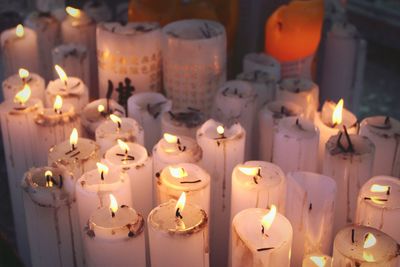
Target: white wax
<point>13,84</point>
<point>147,108</point>
<point>296,145</point>
<point>184,122</point>
<point>98,10</point>
<point>247,240</point>
<point>299,68</point>
<point>194,62</point>
<point>380,210</point>
<point>310,207</point>
<point>309,262</point>
<point>268,119</point>
<point>385,134</point>
<point>350,170</point>
<point>262,62</point>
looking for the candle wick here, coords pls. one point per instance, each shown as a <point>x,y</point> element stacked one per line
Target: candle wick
<point>352,235</point>
<point>255,179</point>
<point>102,176</point>
<point>388,191</point>
<point>310,207</point>
<point>61,181</point>
<point>262,229</point>
<point>387,120</point>
<point>299,125</point>
<point>350,146</point>
<point>178,214</point>
<point>119,125</point>
<point>264,249</point>
<point>112,214</point>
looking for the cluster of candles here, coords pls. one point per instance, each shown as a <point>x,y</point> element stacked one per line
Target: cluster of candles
<point>151,182</point>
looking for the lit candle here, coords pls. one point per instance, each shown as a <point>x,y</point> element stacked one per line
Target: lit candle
<point>19,49</point>
<point>147,108</point>
<point>116,231</point>
<point>301,138</point>
<point>184,122</point>
<point>364,246</point>
<point>317,260</point>
<point>98,10</point>
<point>16,82</point>
<point>129,57</point>
<point>310,208</point>
<point>133,159</point>
<point>253,62</point>
<point>193,50</point>
<point>20,144</point>
<point>348,160</point>
<point>178,234</point>
<point>78,28</point>
<point>223,149</point>
<point>261,237</point>
<point>268,120</point>
<point>109,131</point>
<point>384,132</point>
<point>378,205</point>
<point>302,92</point>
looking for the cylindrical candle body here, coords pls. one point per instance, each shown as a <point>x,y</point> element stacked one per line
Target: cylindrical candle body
<point>183,122</point>
<point>13,84</point>
<point>262,62</point>
<point>194,62</point>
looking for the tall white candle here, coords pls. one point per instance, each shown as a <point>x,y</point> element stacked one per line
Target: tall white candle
<point>378,205</point>
<point>98,10</point>
<point>15,83</point>
<point>261,237</point>
<point>147,108</point>
<point>310,208</point>
<point>384,132</point>
<point>301,138</point>
<point>348,160</point>
<point>194,62</point>
<point>184,122</point>
<point>222,149</point>
<point>262,62</point>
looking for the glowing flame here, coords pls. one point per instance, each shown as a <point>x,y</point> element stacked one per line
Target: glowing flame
<point>124,146</point>
<point>73,138</point>
<point>377,200</point>
<point>22,96</point>
<point>250,171</point>
<point>73,12</point>
<point>269,218</point>
<point>23,73</point>
<point>368,256</point>
<point>49,182</point>
<point>113,204</point>
<point>115,119</point>
<point>337,113</point>
<point>100,108</point>
<point>61,73</point>
<point>101,168</point>
<point>377,188</point>
<point>369,240</point>
<point>19,31</point>
<point>318,261</point>
<point>181,202</point>
<point>48,173</point>
<point>58,102</point>
<point>220,130</point>
<point>170,138</point>
<point>178,172</point>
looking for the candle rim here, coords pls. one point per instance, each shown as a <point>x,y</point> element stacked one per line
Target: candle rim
<point>257,76</point>
<point>394,129</point>
<point>287,126</point>
<point>382,180</point>
<point>108,27</point>
<point>349,119</point>
<point>129,126</point>
<point>194,172</point>
<point>243,88</point>
<point>192,148</point>
<point>307,85</point>
<point>59,157</point>
<point>140,158</point>
<point>209,130</point>
<point>272,175</point>
<point>363,147</point>
<point>169,28</point>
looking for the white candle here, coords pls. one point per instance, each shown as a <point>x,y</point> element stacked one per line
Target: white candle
<point>15,83</point>
<point>384,132</point>
<point>19,139</point>
<point>262,62</point>
<point>317,260</point>
<point>378,205</point>
<point>364,246</point>
<point>47,28</point>
<point>48,218</point>
<point>19,50</point>
<point>98,111</point>
<point>98,10</point>
<point>78,28</point>
<point>222,149</point>
<point>301,91</point>
<point>178,235</point>
<point>184,122</point>
<point>268,119</point>
<point>133,160</point>
<point>114,237</point>
<point>301,138</point>
<point>74,59</point>
<point>310,208</point>
<point>348,160</point>
<point>194,62</point>
<point>129,57</point>
<point>257,184</point>
<point>298,68</point>
<point>72,89</point>
<point>126,129</point>
<point>261,237</point>
<point>147,108</point>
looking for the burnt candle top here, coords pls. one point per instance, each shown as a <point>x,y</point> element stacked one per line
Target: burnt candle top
<point>297,85</point>
<point>383,126</point>
<point>194,29</point>
<point>382,192</point>
<point>130,28</point>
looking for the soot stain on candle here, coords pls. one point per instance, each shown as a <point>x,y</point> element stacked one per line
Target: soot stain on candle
<point>71,232</point>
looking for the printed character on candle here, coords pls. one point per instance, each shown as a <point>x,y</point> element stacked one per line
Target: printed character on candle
<point>223,149</point>
<point>364,246</point>
<point>261,237</point>
<point>183,229</point>
<point>348,160</point>
<point>114,236</point>
<point>72,89</point>
<point>109,131</point>
<point>378,205</point>
<point>19,50</point>
<point>310,207</point>
<point>182,122</point>
<point>16,82</point>
<point>129,57</point>
<point>317,260</point>
<point>262,62</point>
<point>257,184</point>
<point>133,160</point>
<point>19,139</point>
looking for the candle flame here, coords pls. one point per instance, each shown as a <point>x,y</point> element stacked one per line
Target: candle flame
<point>115,119</point>
<point>269,218</point>
<point>368,256</point>
<point>113,203</point>
<point>61,73</point>
<point>101,168</point>
<point>338,113</point>
<point>58,102</point>
<point>100,108</point>
<point>369,241</point>
<point>318,261</point>
<point>377,200</point>
<point>170,138</point>
<point>220,130</point>
<point>23,73</point>
<point>73,12</point>
<point>19,31</point>
<point>124,146</point>
<point>180,204</point>
<point>22,96</point>
<point>250,171</point>
<point>178,172</point>
<point>73,138</point>
<point>377,188</point>
<point>49,183</point>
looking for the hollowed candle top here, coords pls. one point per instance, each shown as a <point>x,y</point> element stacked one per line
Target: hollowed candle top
<point>382,126</point>
<point>348,119</point>
<point>281,109</point>
<point>91,181</point>
<point>209,130</point>
<point>382,192</point>
<point>14,84</point>
<point>137,153</point>
<point>362,146</point>
<point>187,148</point>
<point>194,29</point>
<point>130,28</point>
<point>295,127</point>
<point>49,116</point>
